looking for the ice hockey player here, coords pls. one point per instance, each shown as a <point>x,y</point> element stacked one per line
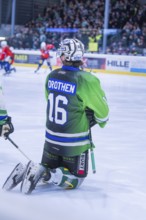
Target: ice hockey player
<point>6,126</point>
<point>45,56</point>
<point>7,58</point>
<point>76,102</point>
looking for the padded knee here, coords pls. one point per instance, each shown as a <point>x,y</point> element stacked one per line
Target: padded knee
<point>63,178</point>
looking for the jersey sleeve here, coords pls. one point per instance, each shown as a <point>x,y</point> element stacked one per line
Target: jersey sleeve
<point>50,46</point>
<point>46,88</point>
<point>44,55</point>
<point>2,56</point>
<point>93,97</point>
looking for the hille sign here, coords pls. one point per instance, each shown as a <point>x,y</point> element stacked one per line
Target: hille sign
<point>120,64</point>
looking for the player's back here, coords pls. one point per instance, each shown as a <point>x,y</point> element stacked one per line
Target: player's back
<point>7,52</point>
<point>67,124</point>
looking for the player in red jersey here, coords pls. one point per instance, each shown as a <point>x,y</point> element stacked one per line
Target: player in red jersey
<point>7,57</point>
<point>45,56</point>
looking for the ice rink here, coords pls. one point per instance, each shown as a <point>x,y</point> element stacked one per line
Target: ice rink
<point>118,189</point>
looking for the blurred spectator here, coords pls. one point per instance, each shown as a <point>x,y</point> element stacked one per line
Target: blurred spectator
<point>127,16</point>
<point>94,42</point>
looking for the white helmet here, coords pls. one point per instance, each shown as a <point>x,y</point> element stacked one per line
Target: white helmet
<point>72,49</point>
<point>3,43</point>
<point>43,45</point>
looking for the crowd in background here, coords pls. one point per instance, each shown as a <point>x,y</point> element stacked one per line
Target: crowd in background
<point>86,18</point>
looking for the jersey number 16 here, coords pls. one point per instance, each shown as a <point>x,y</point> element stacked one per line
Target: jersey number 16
<point>57,114</point>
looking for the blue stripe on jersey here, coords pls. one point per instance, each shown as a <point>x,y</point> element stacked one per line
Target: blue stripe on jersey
<point>66,139</point>
<point>3,117</point>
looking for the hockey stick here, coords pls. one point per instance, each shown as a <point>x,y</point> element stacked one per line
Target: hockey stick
<point>8,138</point>
<point>92,153</point>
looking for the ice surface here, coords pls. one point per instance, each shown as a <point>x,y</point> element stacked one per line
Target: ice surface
<point>118,189</point>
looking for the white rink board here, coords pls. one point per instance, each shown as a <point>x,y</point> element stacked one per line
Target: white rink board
<point>116,63</point>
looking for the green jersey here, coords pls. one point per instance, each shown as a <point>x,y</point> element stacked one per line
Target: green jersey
<point>3,112</point>
<point>70,91</point>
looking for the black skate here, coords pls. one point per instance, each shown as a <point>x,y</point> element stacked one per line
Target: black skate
<point>36,71</point>
<point>15,177</point>
<point>7,73</point>
<point>32,175</point>
<point>13,69</point>
<point>46,176</point>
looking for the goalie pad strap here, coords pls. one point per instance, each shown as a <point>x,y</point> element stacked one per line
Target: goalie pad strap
<point>63,178</point>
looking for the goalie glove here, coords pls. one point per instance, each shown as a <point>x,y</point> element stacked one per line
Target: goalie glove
<point>90,116</point>
<point>7,128</point>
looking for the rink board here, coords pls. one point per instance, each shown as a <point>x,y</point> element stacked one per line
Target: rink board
<point>104,63</point>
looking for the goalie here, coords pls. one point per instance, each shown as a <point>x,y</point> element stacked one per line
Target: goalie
<point>76,102</point>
